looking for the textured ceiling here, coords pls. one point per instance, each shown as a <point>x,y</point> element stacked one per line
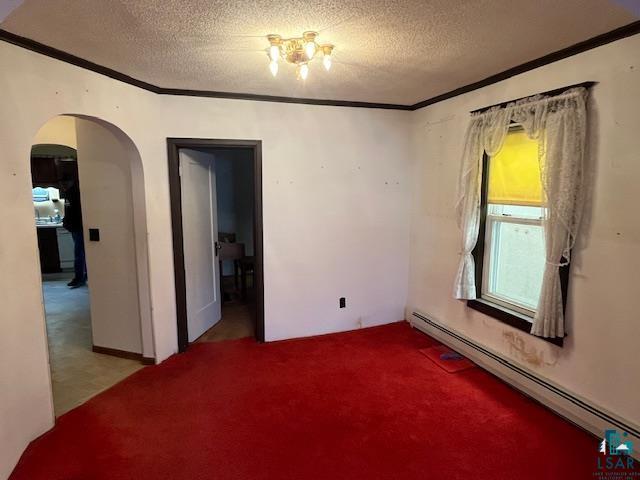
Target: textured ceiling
<point>7,6</point>
<point>386,51</point>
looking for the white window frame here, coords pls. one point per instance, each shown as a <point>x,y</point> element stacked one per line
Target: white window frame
<point>491,220</point>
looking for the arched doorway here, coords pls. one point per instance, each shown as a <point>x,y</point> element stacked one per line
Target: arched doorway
<point>98,332</point>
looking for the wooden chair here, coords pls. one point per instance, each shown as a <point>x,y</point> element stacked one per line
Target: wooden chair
<point>234,252</point>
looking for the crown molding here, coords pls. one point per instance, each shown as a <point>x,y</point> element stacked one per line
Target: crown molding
<point>48,51</point>
<point>597,41</point>
<point>272,98</point>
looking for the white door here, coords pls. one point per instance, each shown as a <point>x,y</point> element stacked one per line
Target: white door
<point>200,234</point>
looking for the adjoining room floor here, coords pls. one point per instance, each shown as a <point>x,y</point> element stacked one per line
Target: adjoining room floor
<point>363,404</point>
<point>237,322</point>
<point>77,372</point>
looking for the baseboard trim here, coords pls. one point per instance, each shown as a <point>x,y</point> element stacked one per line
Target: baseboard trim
<point>114,352</point>
<point>568,405</point>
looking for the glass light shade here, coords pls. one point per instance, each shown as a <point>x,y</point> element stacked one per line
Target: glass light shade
<point>304,71</point>
<point>326,61</point>
<point>273,66</point>
<point>310,49</point>
<point>274,53</point>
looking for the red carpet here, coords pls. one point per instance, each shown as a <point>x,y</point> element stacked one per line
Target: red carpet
<point>448,365</point>
<point>357,405</point>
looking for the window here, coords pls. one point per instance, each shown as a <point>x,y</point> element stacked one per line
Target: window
<point>510,252</point>
<point>514,257</point>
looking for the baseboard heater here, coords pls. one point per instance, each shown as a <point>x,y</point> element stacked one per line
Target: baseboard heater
<point>569,406</point>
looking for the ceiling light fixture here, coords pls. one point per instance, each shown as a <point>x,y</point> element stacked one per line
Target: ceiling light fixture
<point>303,71</point>
<point>298,51</point>
<point>326,56</point>
<point>273,66</point>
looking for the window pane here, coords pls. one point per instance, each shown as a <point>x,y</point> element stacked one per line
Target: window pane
<point>515,211</point>
<point>517,263</point>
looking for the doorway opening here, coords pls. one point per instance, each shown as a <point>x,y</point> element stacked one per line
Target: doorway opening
<point>85,190</point>
<point>216,211</point>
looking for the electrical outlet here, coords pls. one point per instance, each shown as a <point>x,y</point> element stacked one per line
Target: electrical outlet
<point>343,302</point>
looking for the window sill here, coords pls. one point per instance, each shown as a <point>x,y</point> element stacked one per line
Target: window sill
<point>514,319</point>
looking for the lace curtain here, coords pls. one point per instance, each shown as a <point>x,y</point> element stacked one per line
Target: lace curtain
<point>559,125</point>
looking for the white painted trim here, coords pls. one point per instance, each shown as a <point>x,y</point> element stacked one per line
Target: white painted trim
<point>568,405</point>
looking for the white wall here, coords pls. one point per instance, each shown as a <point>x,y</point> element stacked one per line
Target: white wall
<point>335,207</point>
<point>58,131</point>
<point>114,147</point>
<point>598,361</point>
<point>104,169</point>
<point>336,219</point>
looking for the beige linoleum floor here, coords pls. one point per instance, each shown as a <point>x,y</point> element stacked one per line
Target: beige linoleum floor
<point>77,372</point>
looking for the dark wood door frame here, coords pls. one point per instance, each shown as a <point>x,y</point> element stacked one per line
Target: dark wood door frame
<point>174,145</point>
